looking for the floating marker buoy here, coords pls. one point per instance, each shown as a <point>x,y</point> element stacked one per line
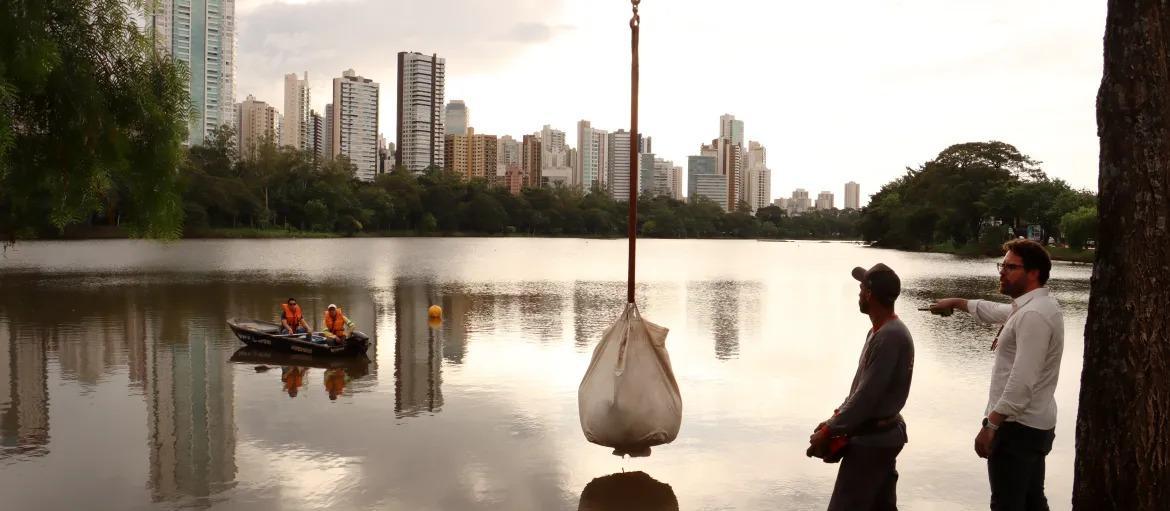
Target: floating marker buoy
<point>435,312</point>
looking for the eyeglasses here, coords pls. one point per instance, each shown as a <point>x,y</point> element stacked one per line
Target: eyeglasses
<point>1001,267</point>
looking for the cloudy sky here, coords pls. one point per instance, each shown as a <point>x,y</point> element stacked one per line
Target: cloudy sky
<point>837,91</point>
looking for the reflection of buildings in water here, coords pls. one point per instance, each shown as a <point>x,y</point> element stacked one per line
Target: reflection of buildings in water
<point>595,306</point>
<point>457,307</point>
<point>418,352</point>
<point>722,306</point>
<point>189,393</point>
<point>24,410</point>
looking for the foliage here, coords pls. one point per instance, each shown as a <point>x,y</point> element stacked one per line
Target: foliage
<point>281,187</point>
<point>91,120</point>
<point>968,187</point>
<point>1079,227</point>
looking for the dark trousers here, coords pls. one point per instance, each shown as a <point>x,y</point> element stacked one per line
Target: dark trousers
<point>1016,467</point>
<point>867,480</point>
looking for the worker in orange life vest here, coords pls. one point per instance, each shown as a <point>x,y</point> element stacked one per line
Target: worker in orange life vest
<point>337,326</point>
<point>292,320</point>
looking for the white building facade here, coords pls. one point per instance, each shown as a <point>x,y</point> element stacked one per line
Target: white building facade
<point>355,123</point>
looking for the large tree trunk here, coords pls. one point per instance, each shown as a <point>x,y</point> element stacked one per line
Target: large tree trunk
<point>1123,425</point>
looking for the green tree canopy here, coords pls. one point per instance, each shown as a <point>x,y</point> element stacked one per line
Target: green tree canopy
<point>91,119</point>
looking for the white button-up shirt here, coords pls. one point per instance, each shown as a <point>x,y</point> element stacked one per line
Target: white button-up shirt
<point>1027,360</point>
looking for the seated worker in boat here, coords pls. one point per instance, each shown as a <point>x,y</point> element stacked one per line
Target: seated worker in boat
<point>337,326</point>
<point>292,320</point>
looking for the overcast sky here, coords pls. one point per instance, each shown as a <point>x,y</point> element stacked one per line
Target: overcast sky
<point>837,91</point>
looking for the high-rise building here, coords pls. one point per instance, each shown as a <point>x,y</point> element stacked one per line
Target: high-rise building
<point>316,133</point>
<point>554,158</point>
<point>295,130</point>
<point>825,201</point>
<point>514,178</point>
<point>618,166</point>
<point>704,180</point>
<point>421,118</point>
<point>327,137</point>
<point>355,123</point>
<point>255,126</point>
<point>646,174</point>
<point>458,118</point>
<point>731,129</point>
<point>592,156</point>
<point>200,34</point>
<point>666,180</point>
<point>799,203</point>
<point>471,156</point>
<point>507,153</point>
<point>852,195</point>
<point>530,160</point>
<point>758,182</point>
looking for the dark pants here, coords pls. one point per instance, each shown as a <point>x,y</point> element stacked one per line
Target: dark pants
<point>867,480</point>
<point>1016,467</point>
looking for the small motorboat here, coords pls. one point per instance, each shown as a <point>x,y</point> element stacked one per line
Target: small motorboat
<point>265,335</point>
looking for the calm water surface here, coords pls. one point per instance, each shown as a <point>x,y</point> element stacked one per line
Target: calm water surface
<point>118,388</point>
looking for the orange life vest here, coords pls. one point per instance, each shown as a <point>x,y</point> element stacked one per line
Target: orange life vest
<point>292,315</point>
<point>335,322</point>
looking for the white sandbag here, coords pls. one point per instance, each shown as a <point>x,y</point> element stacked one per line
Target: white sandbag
<point>629,399</point>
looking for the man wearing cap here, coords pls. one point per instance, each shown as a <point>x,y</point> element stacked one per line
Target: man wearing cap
<point>1019,422</point>
<point>336,324</point>
<point>867,429</point>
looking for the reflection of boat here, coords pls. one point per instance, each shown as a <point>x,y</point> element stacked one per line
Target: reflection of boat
<point>354,367</point>
<point>265,335</point>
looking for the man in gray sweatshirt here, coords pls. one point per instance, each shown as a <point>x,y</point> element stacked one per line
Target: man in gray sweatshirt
<point>869,422</point>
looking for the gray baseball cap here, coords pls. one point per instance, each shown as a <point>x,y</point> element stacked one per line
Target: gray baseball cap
<point>880,279</point>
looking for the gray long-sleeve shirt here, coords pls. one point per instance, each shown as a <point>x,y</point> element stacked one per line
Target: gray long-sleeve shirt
<point>880,386</point>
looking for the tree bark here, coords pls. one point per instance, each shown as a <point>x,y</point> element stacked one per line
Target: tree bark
<point>1123,424</point>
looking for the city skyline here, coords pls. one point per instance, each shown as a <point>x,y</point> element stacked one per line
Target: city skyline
<point>843,111</point>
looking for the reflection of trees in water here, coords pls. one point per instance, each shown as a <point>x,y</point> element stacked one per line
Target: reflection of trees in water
<point>721,306</point>
<point>627,491</point>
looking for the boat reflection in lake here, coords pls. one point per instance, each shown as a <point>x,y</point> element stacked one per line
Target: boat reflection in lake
<point>627,491</point>
<point>294,368</point>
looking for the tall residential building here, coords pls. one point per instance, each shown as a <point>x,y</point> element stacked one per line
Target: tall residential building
<point>421,86</point>
<point>758,180</point>
<point>507,153</point>
<point>852,195</point>
<point>458,118</point>
<point>355,123</point>
<point>799,203</point>
<point>731,129</point>
<point>618,166</point>
<point>731,164</point>
<point>316,135</point>
<point>646,175</point>
<point>255,125</point>
<point>704,180</point>
<point>554,158</point>
<point>202,35</point>
<point>530,160</point>
<point>666,179</point>
<point>327,137</point>
<point>295,130</point>
<point>592,156</point>
<point>825,201</point>
<point>471,156</point>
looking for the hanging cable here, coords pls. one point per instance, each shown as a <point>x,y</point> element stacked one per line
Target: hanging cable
<point>632,228</point>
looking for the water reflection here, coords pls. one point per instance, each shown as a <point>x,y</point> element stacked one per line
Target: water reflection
<point>627,491</point>
<point>24,411</point>
<point>418,350</point>
<point>722,306</point>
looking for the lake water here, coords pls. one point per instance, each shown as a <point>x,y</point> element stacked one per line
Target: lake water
<point>117,388</point>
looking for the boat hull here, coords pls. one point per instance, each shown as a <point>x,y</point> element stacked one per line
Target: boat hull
<point>264,335</point>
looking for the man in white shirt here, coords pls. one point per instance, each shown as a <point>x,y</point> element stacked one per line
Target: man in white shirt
<point>1020,419</point>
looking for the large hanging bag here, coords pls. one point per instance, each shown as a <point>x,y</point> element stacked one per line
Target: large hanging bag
<point>629,399</point>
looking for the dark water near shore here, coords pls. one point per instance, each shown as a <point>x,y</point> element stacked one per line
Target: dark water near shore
<point>117,388</point>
